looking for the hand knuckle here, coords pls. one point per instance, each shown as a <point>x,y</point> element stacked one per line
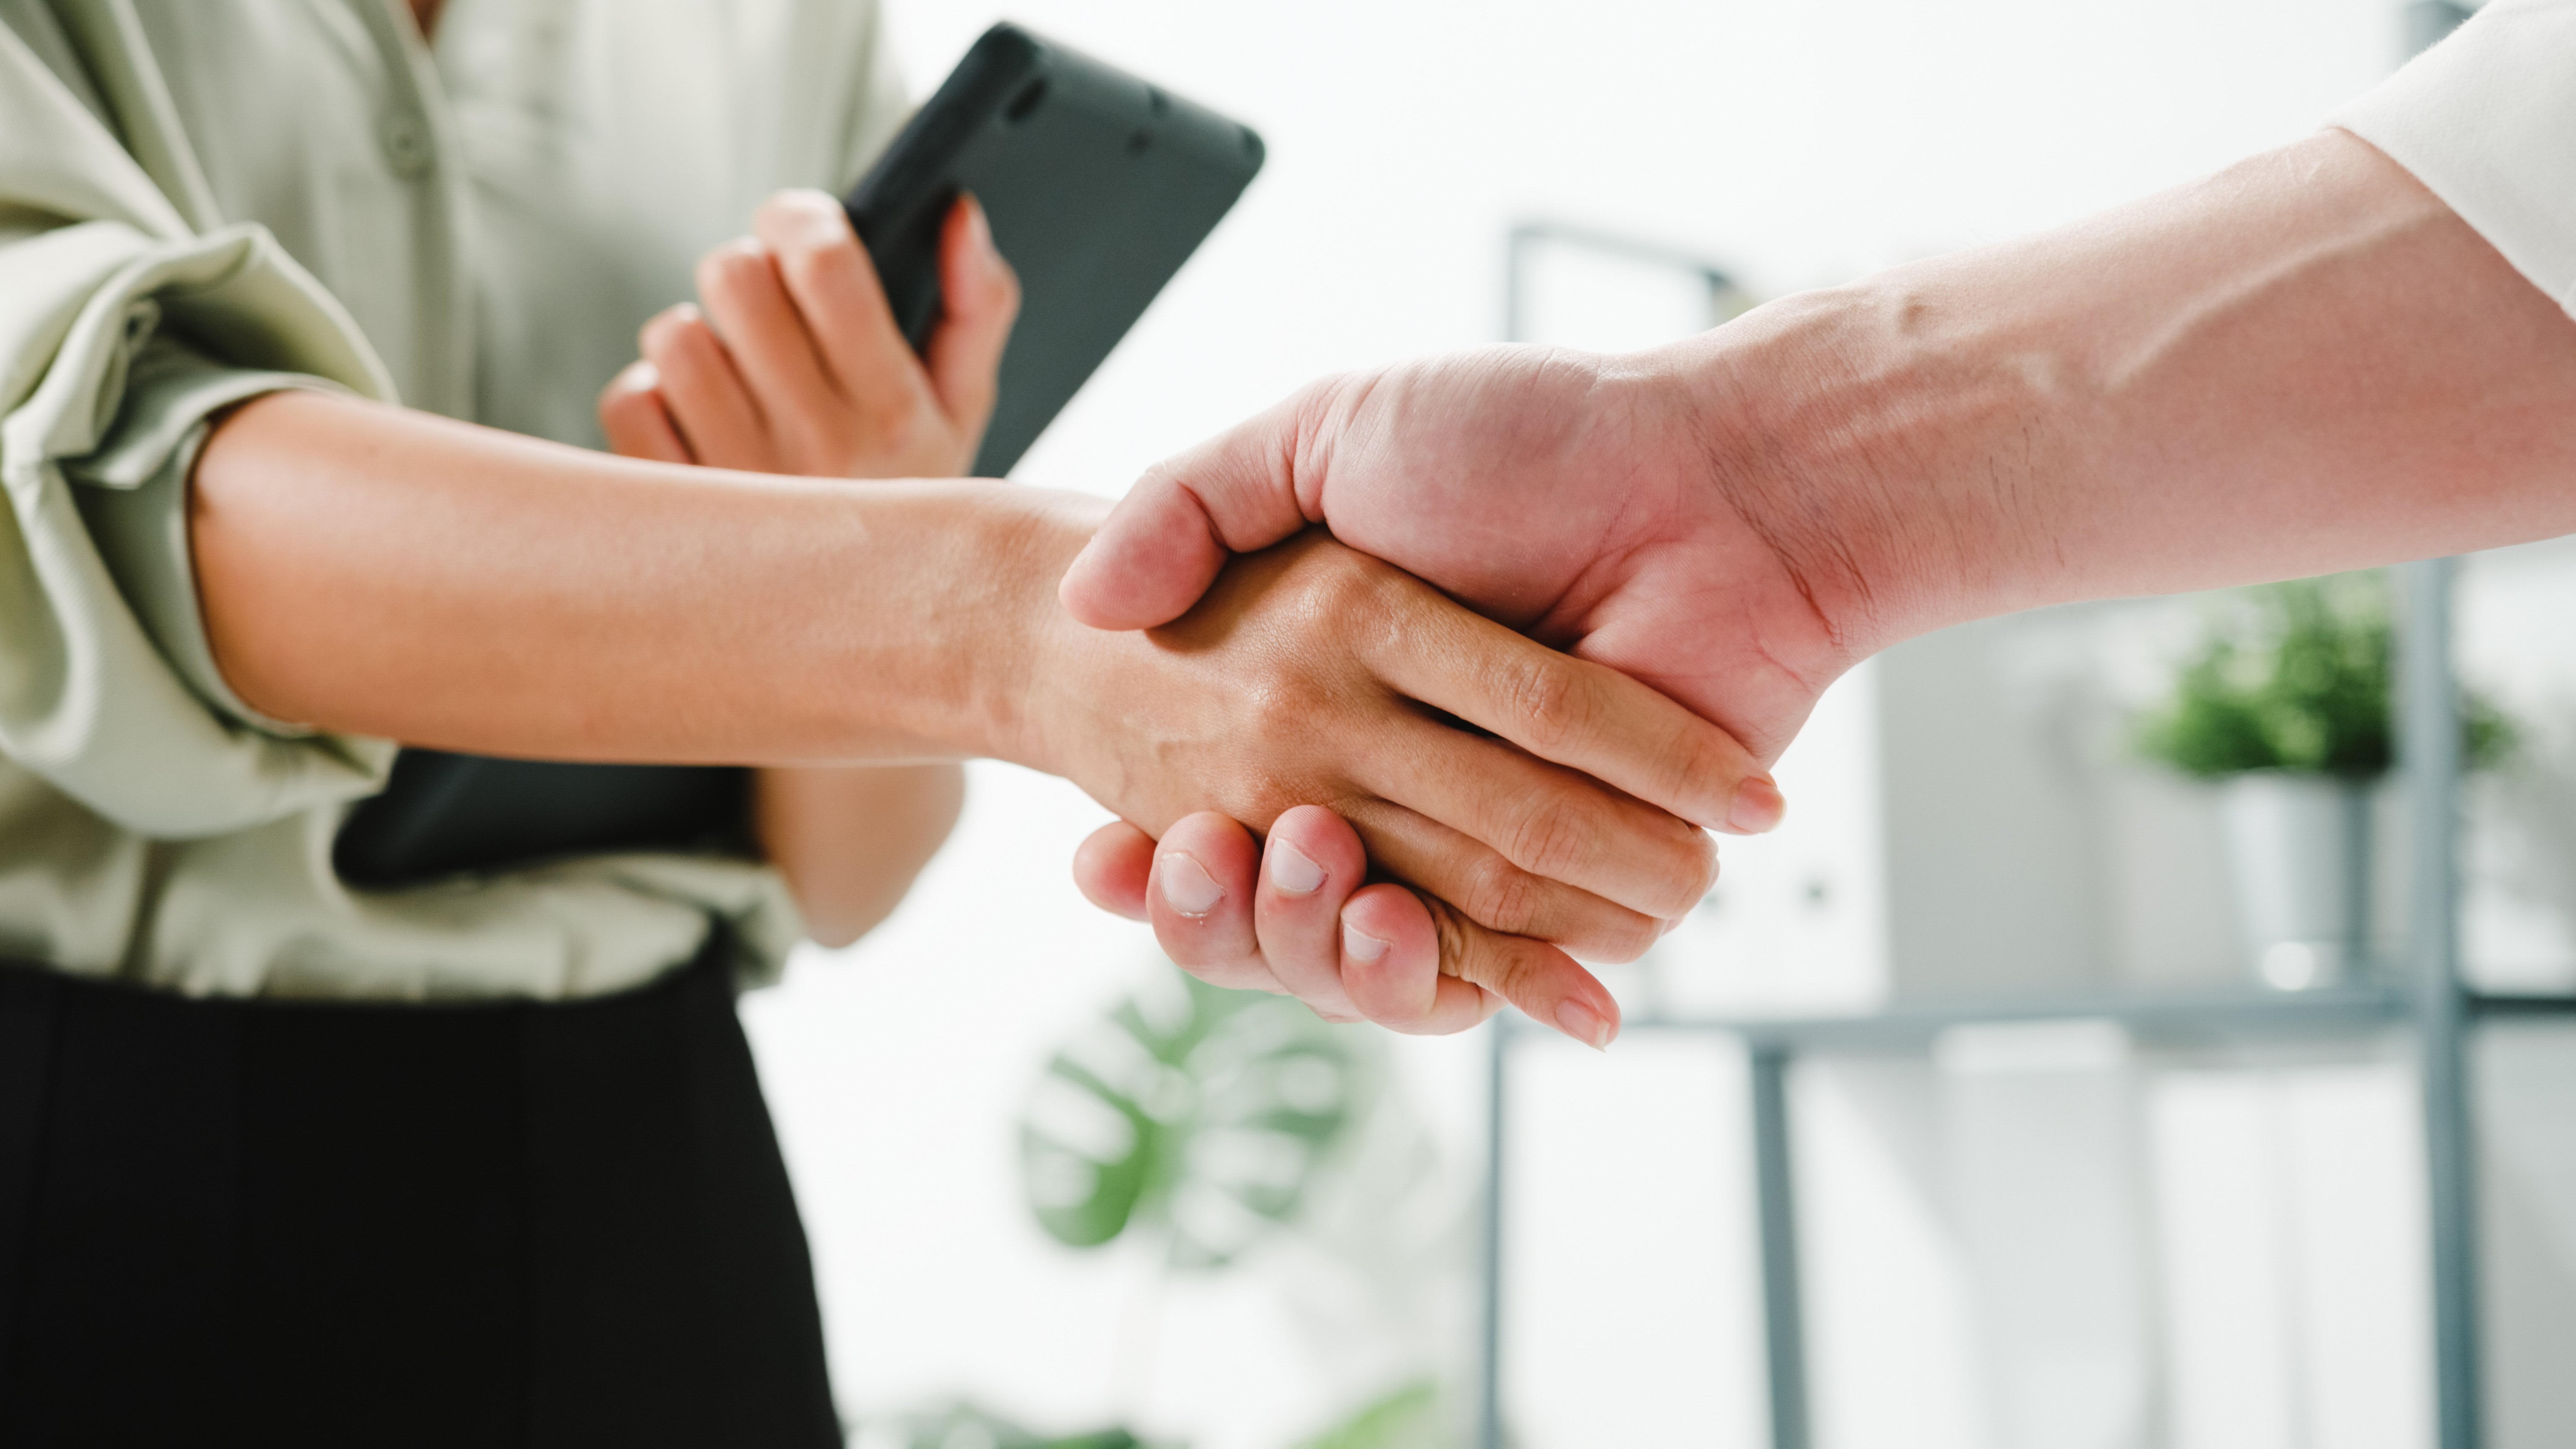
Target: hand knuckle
<point>1548,834</point>
<point>1500,895</point>
<point>1696,761</point>
<point>813,259</point>
<point>1623,938</point>
<point>622,411</point>
<point>731,269</point>
<point>659,345</point>
<point>681,341</point>
<point>1704,873</point>
<point>1456,940</point>
<point>1509,973</point>
<point>1547,695</point>
<point>792,207</point>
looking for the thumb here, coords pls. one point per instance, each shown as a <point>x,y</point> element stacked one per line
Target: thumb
<point>1165,541</point>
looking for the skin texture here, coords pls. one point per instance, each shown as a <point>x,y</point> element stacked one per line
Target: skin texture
<point>794,365</point>
<point>2303,364</point>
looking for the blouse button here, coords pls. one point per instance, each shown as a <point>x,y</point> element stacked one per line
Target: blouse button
<point>405,137</point>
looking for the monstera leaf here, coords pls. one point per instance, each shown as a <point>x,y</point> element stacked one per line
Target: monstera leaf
<point>1204,1111</point>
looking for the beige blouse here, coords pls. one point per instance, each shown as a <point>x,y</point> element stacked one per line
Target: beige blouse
<point>201,200</point>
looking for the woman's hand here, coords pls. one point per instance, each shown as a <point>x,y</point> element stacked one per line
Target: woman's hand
<point>1297,914</point>
<point>791,361</point>
<point>1314,675</point>
<point>794,365</point>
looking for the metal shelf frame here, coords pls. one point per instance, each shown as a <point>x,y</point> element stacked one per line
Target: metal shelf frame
<point>2424,998</point>
<point>2421,994</point>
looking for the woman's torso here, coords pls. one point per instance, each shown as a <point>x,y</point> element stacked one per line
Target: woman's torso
<point>498,213</point>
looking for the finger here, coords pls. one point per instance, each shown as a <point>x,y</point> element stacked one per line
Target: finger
<point>770,343</point>
<point>633,420</point>
<point>979,299</point>
<point>705,396</point>
<point>1548,820</point>
<point>1200,901</point>
<point>836,290</point>
<point>1392,969</point>
<point>1310,864</point>
<point>1112,867</point>
<point>1582,715</point>
<point>1162,545</point>
<point>1543,982</point>
<point>1494,892</point>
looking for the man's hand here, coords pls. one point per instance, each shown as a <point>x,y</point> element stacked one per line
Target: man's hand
<point>2302,364</point>
<point>1568,496</point>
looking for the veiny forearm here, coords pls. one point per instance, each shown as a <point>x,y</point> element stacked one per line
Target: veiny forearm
<point>851,840</point>
<point>389,573</point>
<point>2305,363</point>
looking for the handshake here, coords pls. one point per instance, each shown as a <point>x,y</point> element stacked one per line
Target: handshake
<point>1654,654</point>
<point>1478,645</point>
<point>1483,646</point>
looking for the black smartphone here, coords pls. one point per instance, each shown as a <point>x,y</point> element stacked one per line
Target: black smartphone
<point>1098,186</point>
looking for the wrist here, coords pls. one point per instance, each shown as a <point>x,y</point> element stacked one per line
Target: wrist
<point>1884,446</point>
<point>1024,645</point>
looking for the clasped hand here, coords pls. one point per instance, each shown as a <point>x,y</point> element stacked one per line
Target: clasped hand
<point>1453,809</point>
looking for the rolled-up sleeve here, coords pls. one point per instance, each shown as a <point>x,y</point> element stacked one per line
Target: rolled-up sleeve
<point>2487,121</point>
<point>121,333</point>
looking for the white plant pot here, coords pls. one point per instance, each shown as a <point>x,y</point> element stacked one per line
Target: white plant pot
<point>2298,855</point>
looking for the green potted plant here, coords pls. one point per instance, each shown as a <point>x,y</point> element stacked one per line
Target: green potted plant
<point>2285,706</point>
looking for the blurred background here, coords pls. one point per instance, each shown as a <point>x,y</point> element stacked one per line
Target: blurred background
<point>1053,1189</point>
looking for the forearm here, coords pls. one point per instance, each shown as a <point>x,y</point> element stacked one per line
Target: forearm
<point>850,841</point>
<point>2306,363</point>
<point>388,573</point>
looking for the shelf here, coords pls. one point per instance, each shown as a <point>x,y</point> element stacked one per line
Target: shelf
<point>1913,1026</point>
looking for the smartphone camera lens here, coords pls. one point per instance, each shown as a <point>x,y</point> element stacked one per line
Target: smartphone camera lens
<point>1026,102</point>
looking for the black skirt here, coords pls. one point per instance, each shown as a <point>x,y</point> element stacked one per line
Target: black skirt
<point>541,1224</point>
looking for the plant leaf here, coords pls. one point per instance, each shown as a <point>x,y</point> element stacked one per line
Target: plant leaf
<point>1205,1111</point>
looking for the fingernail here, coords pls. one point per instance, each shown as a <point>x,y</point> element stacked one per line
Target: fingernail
<point>1757,808</point>
<point>1187,887</point>
<point>1291,871</point>
<point>1583,1024</point>
<point>1359,945</point>
<point>979,230</point>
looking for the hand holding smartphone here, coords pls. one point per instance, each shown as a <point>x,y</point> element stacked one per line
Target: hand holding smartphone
<point>1097,186</point>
